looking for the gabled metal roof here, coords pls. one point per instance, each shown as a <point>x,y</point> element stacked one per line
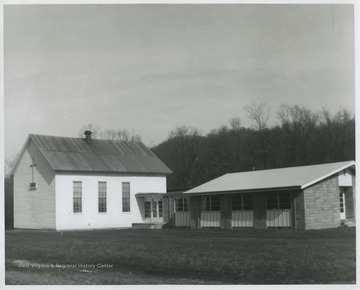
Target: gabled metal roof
<point>75,154</point>
<point>281,178</point>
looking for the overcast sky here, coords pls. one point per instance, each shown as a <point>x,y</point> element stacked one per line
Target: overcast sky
<point>151,68</point>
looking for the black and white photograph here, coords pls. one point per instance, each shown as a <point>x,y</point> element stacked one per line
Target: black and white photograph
<point>179,143</point>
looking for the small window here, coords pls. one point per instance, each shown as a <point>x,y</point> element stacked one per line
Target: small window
<point>211,203</point>
<point>102,196</point>
<point>126,196</point>
<point>182,205</point>
<point>32,186</point>
<point>77,196</point>
<point>278,201</point>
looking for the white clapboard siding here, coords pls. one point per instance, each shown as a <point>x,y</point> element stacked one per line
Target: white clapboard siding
<point>182,219</point>
<point>34,209</point>
<point>114,217</point>
<point>278,218</point>
<point>210,219</point>
<point>242,218</point>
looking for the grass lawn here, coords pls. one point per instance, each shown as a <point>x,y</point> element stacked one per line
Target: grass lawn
<point>181,256</point>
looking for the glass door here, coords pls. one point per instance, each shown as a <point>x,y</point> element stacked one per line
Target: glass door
<point>153,210</point>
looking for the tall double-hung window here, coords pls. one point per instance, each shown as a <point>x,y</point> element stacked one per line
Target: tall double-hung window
<point>102,196</point>
<point>126,196</point>
<point>77,196</point>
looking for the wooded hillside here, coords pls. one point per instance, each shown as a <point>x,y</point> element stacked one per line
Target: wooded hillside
<point>301,137</point>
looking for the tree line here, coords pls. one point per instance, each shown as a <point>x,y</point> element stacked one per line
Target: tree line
<point>300,137</point>
<point>109,134</point>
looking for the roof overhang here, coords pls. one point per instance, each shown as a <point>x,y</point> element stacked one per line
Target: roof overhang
<point>97,172</point>
<point>350,164</point>
<point>288,188</point>
<point>144,194</point>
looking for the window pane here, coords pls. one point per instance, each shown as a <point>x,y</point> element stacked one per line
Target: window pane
<point>206,203</point>
<point>160,208</point>
<point>154,208</point>
<point>341,202</point>
<point>186,205</point>
<point>126,196</point>
<point>284,201</point>
<point>247,202</point>
<point>215,203</point>
<point>237,202</point>
<point>77,196</point>
<point>180,204</point>
<point>272,201</point>
<point>147,209</point>
<point>102,196</point>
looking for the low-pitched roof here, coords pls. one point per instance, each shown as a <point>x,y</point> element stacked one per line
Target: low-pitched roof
<point>281,178</point>
<point>75,154</point>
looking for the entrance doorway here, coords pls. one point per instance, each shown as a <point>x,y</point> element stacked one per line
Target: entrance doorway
<point>153,211</point>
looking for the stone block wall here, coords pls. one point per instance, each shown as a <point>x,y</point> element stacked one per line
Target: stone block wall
<point>322,205</point>
<point>299,210</point>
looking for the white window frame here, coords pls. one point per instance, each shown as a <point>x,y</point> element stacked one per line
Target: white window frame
<point>182,206</point>
<point>126,205</point>
<point>102,197</point>
<point>77,196</point>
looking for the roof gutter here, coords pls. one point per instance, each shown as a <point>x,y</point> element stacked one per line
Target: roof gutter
<point>244,191</point>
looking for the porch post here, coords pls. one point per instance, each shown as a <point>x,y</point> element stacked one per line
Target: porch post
<point>168,210</point>
<point>260,211</point>
<point>195,211</point>
<point>225,212</point>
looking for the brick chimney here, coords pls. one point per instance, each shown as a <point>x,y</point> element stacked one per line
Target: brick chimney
<point>88,137</point>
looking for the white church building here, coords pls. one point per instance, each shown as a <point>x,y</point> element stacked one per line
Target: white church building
<point>65,183</point>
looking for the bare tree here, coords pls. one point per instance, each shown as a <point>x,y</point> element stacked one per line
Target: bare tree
<point>235,123</point>
<point>335,129</point>
<point>109,134</point>
<point>298,124</point>
<point>259,115</point>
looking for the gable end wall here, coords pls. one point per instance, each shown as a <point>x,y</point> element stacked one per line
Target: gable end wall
<point>34,209</point>
<point>321,204</point>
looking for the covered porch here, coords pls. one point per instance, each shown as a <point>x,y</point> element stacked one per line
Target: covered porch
<point>151,207</point>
